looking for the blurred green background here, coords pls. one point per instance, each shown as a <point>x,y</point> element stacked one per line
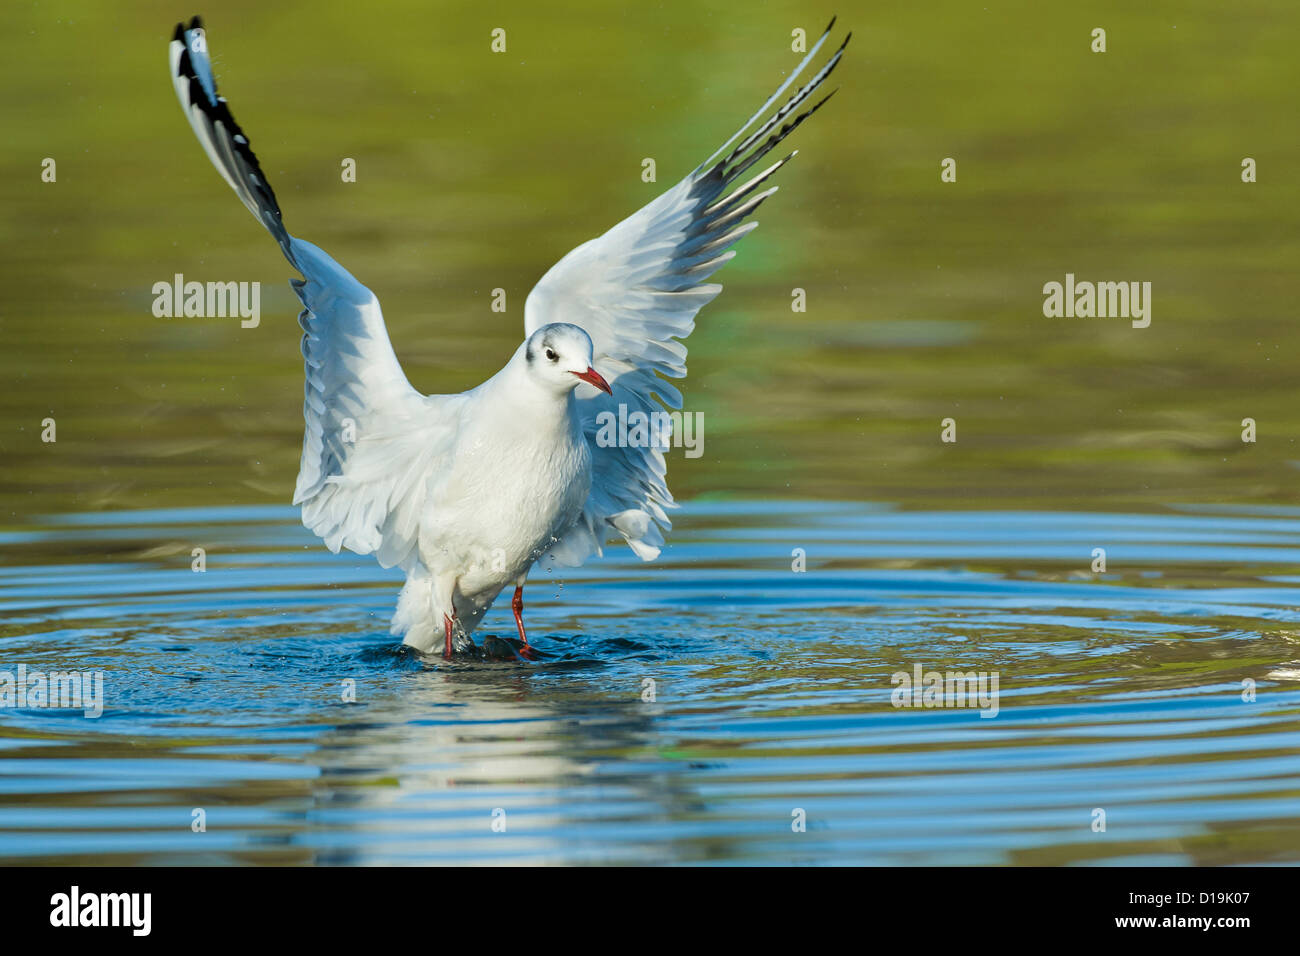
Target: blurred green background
<point>479,170</point>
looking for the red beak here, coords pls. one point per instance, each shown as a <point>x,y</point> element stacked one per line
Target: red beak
<point>592,377</point>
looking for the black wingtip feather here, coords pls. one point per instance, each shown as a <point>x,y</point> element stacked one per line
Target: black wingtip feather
<point>217,112</point>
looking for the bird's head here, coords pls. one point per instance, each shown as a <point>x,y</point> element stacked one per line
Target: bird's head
<point>559,356</point>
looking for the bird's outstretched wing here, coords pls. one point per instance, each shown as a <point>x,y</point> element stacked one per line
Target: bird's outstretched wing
<point>636,290</point>
<point>370,437</point>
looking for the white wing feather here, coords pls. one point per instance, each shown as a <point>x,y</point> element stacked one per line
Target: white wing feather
<point>370,437</point>
<point>636,291</point>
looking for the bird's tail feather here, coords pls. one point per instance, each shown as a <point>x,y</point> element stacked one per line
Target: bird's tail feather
<point>415,619</point>
<point>419,621</point>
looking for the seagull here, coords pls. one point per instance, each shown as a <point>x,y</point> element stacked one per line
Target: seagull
<point>466,493</point>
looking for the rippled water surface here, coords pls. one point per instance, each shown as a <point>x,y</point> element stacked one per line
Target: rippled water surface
<point>224,691</point>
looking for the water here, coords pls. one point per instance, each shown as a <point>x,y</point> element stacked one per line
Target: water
<point>1120,691</point>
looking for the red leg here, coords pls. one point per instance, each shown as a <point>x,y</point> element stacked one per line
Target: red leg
<point>518,605</point>
<point>446,622</point>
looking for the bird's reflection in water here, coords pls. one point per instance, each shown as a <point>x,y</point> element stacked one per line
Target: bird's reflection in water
<point>492,760</point>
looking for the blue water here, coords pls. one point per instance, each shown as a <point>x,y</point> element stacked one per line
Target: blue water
<point>1119,691</point>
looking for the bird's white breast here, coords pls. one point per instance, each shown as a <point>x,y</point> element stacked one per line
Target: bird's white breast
<point>515,484</point>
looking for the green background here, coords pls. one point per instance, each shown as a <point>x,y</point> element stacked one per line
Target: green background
<point>479,170</point>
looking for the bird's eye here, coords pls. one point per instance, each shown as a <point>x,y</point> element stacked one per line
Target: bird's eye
<point>550,354</point>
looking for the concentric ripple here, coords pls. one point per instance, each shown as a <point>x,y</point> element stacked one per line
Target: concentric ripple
<point>729,703</point>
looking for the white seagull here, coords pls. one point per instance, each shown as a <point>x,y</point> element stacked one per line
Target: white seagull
<point>467,492</point>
